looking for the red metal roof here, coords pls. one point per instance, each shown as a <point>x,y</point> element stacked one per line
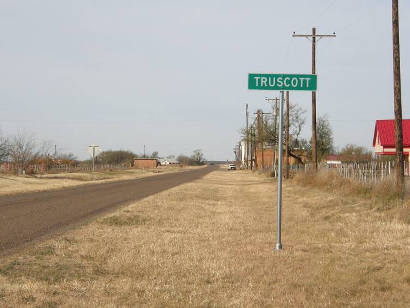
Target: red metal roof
<point>333,157</point>
<point>385,128</point>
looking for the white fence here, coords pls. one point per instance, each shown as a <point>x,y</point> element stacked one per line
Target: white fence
<point>366,172</point>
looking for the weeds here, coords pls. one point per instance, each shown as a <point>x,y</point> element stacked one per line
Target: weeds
<point>7,269</point>
<point>383,191</point>
<point>121,221</point>
<point>50,272</point>
<point>45,251</point>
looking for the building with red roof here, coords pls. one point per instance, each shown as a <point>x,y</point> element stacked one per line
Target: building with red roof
<point>384,139</point>
<point>333,160</point>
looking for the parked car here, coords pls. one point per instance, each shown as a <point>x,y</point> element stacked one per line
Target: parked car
<point>231,167</point>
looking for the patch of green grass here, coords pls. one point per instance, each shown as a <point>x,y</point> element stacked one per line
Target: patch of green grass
<point>28,299</point>
<point>50,272</point>
<point>48,305</point>
<point>7,269</point>
<point>45,251</point>
<point>121,221</point>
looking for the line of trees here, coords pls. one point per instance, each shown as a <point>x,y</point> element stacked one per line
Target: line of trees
<point>24,150</point>
<point>268,133</point>
<point>325,141</point>
<point>116,157</point>
<point>121,157</point>
<point>196,159</point>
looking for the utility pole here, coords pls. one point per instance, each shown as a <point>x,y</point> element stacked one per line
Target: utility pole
<point>279,210</point>
<point>259,128</point>
<point>262,142</point>
<point>55,151</point>
<point>254,155</point>
<point>250,147</point>
<point>275,123</point>
<point>397,99</point>
<point>247,138</point>
<point>313,36</point>
<point>287,136</point>
<point>261,133</point>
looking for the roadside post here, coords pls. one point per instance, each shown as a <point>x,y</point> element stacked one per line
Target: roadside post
<point>282,83</point>
<point>279,214</point>
<point>92,149</point>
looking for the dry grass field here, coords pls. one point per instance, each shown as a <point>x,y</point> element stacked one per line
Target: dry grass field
<point>210,244</point>
<point>11,184</point>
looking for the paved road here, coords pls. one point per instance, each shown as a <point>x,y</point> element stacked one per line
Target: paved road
<point>26,217</point>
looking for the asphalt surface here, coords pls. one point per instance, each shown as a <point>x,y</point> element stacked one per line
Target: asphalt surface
<point>30,216</point>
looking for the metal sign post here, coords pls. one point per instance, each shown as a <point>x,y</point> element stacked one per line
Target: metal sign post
<point>282,82</point>
<point>92,150</point>
<point>279,215</point>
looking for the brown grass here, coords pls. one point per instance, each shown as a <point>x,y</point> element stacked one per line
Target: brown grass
<point>384,189</point>
<point>210,244</point>
<point>11,184</point>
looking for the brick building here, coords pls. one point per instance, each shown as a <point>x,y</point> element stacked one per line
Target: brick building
<point>145,163</point>
<point>268,157</point>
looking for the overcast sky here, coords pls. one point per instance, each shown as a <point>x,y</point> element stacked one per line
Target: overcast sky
<point>173,74</point>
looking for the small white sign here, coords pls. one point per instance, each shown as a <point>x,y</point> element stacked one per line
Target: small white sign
<point>96,147</point>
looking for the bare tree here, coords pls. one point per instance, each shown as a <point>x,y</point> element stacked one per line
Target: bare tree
<point>270,130</point>
<point>198,157</point>
<point>324,137</point>
<point>22,150</point>
<point>297,121</point>
<point>45,149</point>
<point>4,148</point>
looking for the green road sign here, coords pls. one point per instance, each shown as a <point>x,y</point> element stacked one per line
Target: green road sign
<point>282,82</point>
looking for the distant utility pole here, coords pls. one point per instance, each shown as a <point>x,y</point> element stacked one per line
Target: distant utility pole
<point>259,115</point>
<point>313,36</point>
<point>251,136</point>
<point>255,154</point>
<point>247,138</point>
<point>275,123</point>
<point>93,148</point>
<point>287,136</point>
<point>55,151</point>
<point>261,133</point>
<point>397,98</point>
<point>144,150</point>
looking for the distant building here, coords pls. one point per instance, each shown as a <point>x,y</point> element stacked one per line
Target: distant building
<point>6,167</point>
<point>333,161</point>
<point>384,137</point>
<point>269,154</point>
<point>167,161</point>
<point>145,163</point>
